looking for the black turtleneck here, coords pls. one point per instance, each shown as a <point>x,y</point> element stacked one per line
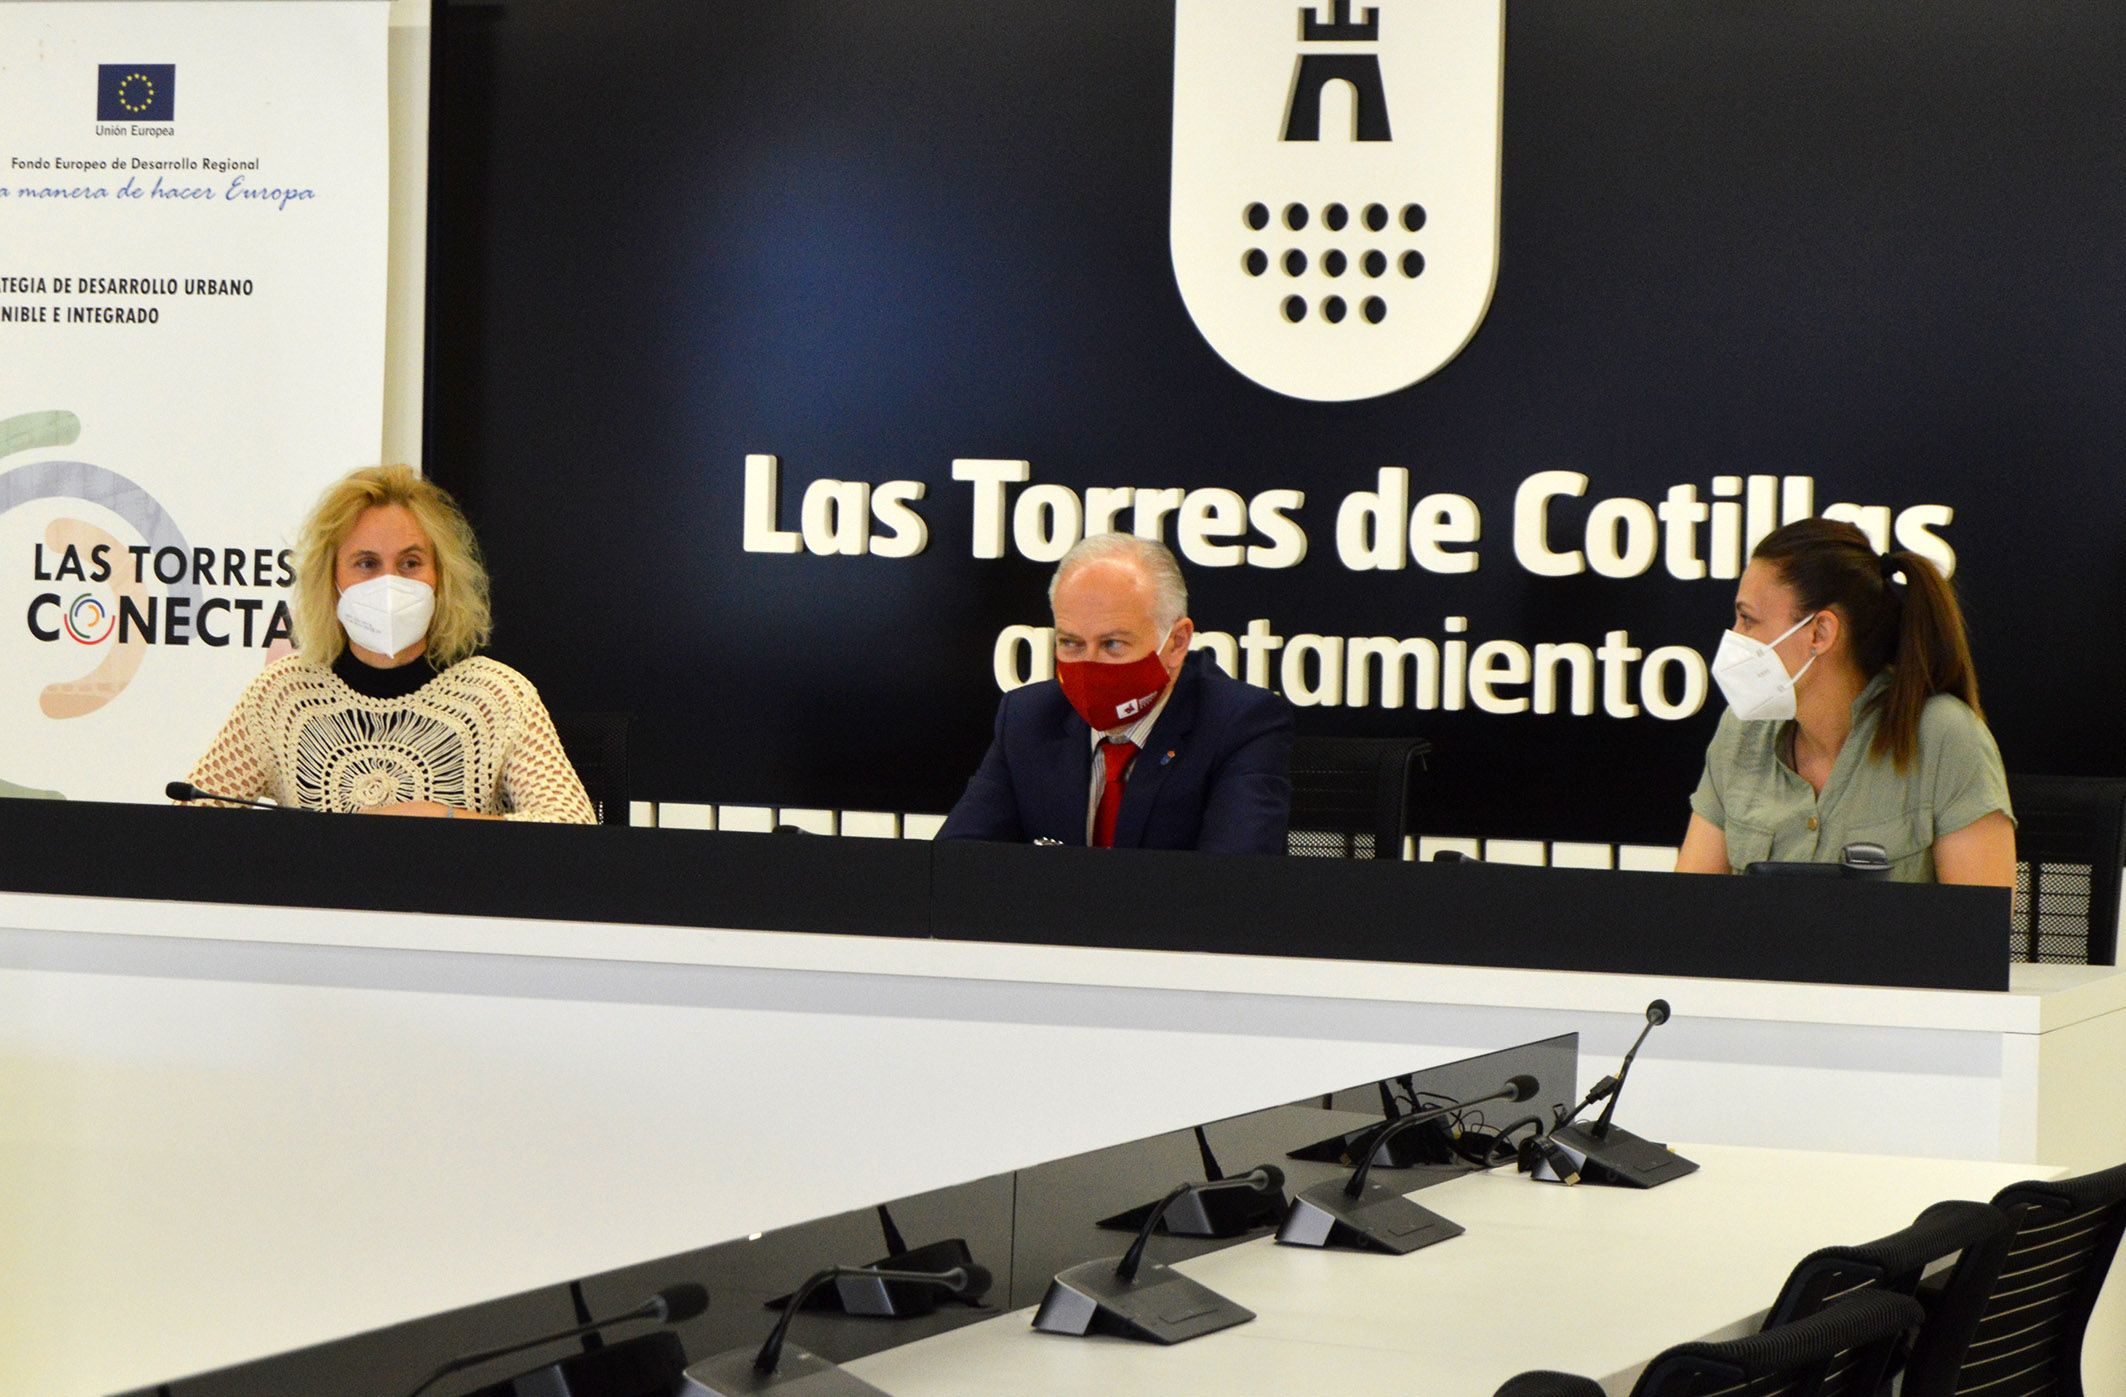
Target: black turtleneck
<point>371,682</point>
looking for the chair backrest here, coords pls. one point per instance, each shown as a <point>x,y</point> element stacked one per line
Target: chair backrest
<point>1543,1383</point>
<point>2029,1339</point>
<point>1842,1350</point>
<point>596,744</point>
<point>1351,795</point>
<point>2070,841</point>
<point>1975,1234</point>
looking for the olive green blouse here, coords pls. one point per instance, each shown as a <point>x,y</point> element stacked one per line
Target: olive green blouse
<point>1769,812</point>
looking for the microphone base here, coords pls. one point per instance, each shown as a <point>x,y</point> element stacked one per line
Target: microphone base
<point>1231,1212</point>
<point>646,1364</point>
<point>1378,1220</point>
<point>799,1373</point>
<point>1160,1306</point>
<point>1619,1159</point>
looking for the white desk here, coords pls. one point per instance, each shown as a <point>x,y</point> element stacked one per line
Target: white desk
<point>2022,1075</point>
<point>1587,1280</point>
<point>250,1129</point>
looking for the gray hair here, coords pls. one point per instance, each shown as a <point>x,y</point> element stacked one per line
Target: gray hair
<point>1155,559</point>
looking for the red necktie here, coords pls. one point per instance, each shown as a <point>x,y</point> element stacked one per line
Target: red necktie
<point>1117,755</point>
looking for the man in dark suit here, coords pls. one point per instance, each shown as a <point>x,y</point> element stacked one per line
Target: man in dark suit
<point>1135,743</point>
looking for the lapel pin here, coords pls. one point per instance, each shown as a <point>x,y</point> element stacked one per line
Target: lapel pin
<point>1168,757</point>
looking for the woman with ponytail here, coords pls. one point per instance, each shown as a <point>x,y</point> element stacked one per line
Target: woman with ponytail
<point>1852,717</point>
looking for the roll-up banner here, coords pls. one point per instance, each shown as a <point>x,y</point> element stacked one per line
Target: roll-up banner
<point>192,263</point>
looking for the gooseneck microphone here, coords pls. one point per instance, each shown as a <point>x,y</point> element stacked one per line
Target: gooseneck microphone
<point>186,791</point>
<point>1518,1087</point>
<point>1601,1154</point>
<point>1605,1090</point>
<point>740,1372</point>
<point>1656,1014</point>
<point>969,1282</point>
<point>1264,1178</point>
<point>1357,1215</point>
<point>675,1304</point>
<point>1229,1213</point>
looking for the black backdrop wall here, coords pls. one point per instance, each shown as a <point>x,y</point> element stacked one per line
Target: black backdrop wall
<point>1876,243</point>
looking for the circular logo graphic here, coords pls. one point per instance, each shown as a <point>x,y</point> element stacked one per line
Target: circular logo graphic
<point>89,619</point>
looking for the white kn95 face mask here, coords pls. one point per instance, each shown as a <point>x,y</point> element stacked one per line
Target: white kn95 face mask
<point>1753,680</point>
<point>387,614</point>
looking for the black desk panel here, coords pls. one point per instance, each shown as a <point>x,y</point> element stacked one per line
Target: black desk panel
<point>1825,931</point>
<point>1817,930</point>
<point>596,873</point>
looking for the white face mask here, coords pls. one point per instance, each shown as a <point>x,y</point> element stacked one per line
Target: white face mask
<point>387,614</point>
<point>1753,680</point>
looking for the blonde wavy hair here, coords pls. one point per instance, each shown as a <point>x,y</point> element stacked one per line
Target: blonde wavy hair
<point>463,619</point>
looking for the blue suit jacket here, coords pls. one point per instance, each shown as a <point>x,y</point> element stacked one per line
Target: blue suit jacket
<point>1215,773</point>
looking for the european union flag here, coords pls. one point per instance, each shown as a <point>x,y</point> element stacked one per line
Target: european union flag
<point>136,92</point>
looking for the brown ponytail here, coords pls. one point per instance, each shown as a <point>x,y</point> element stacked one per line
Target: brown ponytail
<point>1899,610</point>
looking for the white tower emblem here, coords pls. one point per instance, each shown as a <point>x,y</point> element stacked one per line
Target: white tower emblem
<point>1336,185</point>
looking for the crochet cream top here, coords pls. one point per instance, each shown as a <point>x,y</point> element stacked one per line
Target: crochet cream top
<point>474,736</point>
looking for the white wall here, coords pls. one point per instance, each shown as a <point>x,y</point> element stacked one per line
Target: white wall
<point>407,279</point>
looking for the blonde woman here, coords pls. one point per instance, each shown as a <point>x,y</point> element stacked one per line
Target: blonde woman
<point>386,708</point>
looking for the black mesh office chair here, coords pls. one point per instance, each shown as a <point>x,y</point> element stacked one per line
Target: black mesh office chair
<point>2029,1340</point>
<point>1351,795</point>
<point>1547,1384</point>
<point>1841,1351</point>
<point>2070,842</point>
<point>596,744</point>
<point>1976,1235</point>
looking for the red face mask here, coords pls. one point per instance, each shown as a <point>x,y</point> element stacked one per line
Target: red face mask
<point>1113,696</point>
